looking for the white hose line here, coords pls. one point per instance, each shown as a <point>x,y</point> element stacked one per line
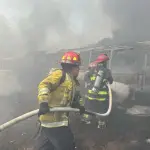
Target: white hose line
<point>33,113</point>
<point>110,105</point>
<point>56,109</point>
<point>110,102</point>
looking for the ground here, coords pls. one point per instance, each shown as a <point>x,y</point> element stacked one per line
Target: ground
<point>123,132</point>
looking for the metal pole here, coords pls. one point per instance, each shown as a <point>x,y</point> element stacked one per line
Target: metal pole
<point>145,67</point>
<point>90,57</point>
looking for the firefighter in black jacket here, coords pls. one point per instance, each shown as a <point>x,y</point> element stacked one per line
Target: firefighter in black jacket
<point>97,97</point>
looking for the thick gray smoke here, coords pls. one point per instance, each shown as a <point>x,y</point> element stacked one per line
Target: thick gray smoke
<point>56,24</point>
<point>130,24</point>
<point>32,25</point>
<point>131,19</point>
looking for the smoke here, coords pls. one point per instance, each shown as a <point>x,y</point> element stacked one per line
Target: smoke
<point>67,24</point>
<point>54,24</point>
<point>130,18</point>
<point>130,24</point>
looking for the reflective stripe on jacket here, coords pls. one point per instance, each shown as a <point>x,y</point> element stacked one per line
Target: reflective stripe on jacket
<point>62,96</point>
<point>54,124</point>
<point>101,95</point>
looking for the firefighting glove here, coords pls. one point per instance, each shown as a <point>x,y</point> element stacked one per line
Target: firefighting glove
<point>44,108</point>
<point>82,110</point>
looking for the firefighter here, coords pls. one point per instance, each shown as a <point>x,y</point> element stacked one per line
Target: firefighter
<point>97,97</point>
<point>58,90</point>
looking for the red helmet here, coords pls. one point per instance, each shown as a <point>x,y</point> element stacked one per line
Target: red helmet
<point>71,58</point>
<point>102,58</point>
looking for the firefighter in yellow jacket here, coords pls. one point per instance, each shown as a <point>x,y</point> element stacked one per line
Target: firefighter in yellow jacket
<point>58,90</point>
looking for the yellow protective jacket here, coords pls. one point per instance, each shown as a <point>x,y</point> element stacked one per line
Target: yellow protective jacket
<point>56,95</point>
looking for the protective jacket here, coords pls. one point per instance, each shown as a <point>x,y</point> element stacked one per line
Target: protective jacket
<point>56,95</point>
<point>87,76</point>
<point>102,92</point>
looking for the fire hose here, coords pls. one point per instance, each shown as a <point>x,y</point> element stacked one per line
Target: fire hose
<point>56,109</point>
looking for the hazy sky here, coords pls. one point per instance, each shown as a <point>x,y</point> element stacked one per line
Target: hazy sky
<point>65,24</point>
<point>55,24</point>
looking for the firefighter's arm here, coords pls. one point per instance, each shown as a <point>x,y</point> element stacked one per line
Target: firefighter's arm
<point>87,76</point>
<point>87,79</point>
<point>78,102</point>
<point>45,88</point>
<point>48,85</point>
